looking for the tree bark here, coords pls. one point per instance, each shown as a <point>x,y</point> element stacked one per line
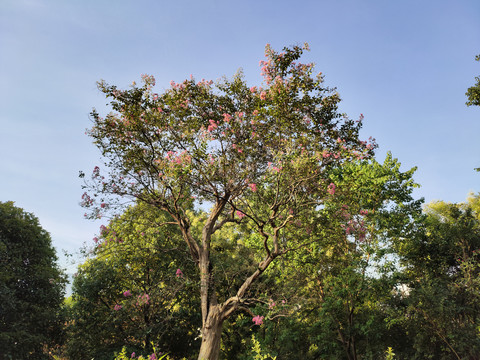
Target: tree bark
<point>211,334</point>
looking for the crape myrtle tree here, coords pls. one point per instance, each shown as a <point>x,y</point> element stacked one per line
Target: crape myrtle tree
<point>261,156</point>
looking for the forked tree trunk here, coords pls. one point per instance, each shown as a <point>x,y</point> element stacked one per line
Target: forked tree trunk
<point>211,335</point>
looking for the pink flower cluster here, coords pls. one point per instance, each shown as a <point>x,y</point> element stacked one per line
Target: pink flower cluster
<point>258,320</point>
<point>276,169</point>
<point>331,189</point>
<point>271,304</point>
<point>227,118</point>
<point>175,158</point>
<point>143,299</point>
<point>240,214</point>
<point>267,69</point>
<point>148,79</point>
<point>96,172</point>
<point>327,154</point>
<point>87,201</point>
<point>179,273</point>
<point>213,125</point>
<point>356,227</point>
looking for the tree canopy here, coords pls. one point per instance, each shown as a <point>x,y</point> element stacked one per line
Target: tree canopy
<point>31,286</point>
<point>268,158</point>
<point>442,270</point>
<point>135,290</point>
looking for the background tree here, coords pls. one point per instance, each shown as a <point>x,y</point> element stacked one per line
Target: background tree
<point>31,287</point>
<point>259,156</point>
<point>442,314</point>
<point>338,289</point>
<point>136,290</point>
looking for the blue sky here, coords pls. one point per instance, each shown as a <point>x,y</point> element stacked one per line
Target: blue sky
<point>405,65</point>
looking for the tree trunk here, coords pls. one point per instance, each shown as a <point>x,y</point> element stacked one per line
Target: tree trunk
<point>211,335</point>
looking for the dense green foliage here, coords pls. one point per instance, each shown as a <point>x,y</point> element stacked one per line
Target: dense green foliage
<point>31,287</point>
<point>135,290</point>
<point>317,293</point>
<point>442,267</point>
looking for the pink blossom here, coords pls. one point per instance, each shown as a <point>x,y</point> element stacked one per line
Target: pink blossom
<point>272,304</point>
<point>133,355</point>
<point>253,187</point>
<point>213,125</point>
<point>117,307</point>
<point>240,214</point>
<point>143,299</point>
<point>331,189</point>
<point>127,293</point>
<point>227,117</point>
<point>103,229</point>
<point>258,320</point>
<point>179,273</point>
<point>263,95</point>
<point>253,89</point>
